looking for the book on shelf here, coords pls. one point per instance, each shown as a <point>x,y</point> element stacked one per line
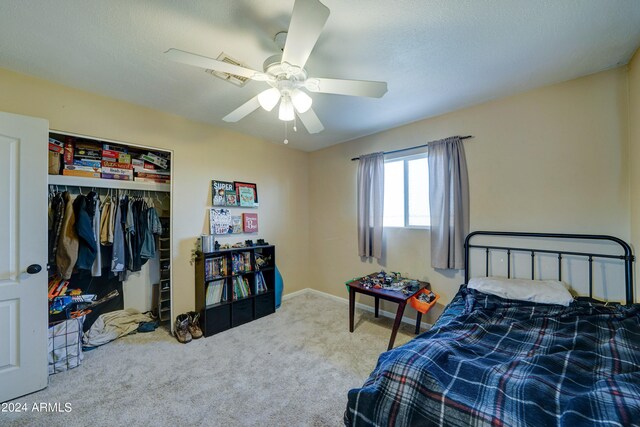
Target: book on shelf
<point>236,223</point>
<point>246,197</point>
<point>241,262</point>
<point>241,288</point>
<point>216,292</point>
<point>231,197</point>
<point>215,267</point>
<point>261,284</point>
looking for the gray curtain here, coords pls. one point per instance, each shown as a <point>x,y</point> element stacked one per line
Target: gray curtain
<point>449,202</point>
<point>370,204</point>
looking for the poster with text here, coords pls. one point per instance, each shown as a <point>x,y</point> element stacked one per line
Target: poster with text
<point>220,221</point>
<point>218,192</point>
<point>250,222</point>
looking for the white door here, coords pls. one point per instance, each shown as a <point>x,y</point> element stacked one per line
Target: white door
<point>23,243</point>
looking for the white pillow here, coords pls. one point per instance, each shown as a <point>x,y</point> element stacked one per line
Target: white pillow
<point>543,291</point>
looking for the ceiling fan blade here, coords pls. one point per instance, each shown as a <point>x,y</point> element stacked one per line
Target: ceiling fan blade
<point>307,21</point>
<point>347,87</point>
<point>188,58</point>
<point>242,111</point>
<point>310,121</point>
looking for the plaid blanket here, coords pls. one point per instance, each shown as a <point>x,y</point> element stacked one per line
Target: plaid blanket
<point>491,361</point>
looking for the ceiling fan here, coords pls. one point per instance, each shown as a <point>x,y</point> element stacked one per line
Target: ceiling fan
<point>285,72</point>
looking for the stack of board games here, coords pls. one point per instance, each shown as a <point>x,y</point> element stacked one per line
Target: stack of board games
<point>82,158</point>
<point>116,163</point>
<point>150,167</point>
<point>96,159</point>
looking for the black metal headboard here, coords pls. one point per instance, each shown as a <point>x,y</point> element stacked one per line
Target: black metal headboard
<point>627,257</point>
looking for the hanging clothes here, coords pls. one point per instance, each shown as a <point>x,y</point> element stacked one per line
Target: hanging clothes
<point>83,207</point>
<point>68,242</point>
<point>153,227</point>
<point>106,222</point>
<point>57,214</point>
<point>154,221</point>
<point>118,255</point>
<point>140,223</point>
<point>96,268</point>
<point>126,208</point>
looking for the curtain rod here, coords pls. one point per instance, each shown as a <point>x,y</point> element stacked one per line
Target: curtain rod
<point>412,148</point>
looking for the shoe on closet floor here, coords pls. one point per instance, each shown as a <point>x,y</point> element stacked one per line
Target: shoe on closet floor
<point>181,328</point>
<point>194,325</point>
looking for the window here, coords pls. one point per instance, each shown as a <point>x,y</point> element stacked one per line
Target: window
<point>406,192</point>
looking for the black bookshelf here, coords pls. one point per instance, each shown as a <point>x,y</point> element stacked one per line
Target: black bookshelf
<point>234,287</point>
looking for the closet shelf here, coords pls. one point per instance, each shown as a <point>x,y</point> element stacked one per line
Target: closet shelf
<point>76,181</point>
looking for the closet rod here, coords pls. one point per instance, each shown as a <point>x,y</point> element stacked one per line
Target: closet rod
<point>107,183</point>
<point>412,148</point>
<point>97,188</point>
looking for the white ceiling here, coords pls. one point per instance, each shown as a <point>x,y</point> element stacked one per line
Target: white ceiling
<point>436,55</point>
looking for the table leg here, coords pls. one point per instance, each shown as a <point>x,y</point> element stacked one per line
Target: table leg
<point>396,324</point>
<point>377,305</point>
<point>418,320</point>
<point>352,305</point>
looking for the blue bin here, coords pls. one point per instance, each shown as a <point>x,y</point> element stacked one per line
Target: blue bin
<point>279,287</point>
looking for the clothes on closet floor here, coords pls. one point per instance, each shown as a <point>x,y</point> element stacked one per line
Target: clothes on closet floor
<point>86,233</point>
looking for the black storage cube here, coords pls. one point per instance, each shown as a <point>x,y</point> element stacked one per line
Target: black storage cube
<point>265,304</point>
<point>242,312</point>
<point>217,319</point>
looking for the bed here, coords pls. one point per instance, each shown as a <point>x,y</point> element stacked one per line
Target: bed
<point>495,361</point>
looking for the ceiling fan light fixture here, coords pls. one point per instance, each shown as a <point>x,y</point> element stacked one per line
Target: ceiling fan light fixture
<point>286,109</point>
<point>285,72</point>
<point>269,98</point>
<point>301,101</point>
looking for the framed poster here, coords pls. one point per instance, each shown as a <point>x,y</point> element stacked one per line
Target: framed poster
<point>218,192</point>
<point>246,193</point>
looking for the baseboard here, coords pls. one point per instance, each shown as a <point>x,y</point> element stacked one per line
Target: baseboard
<point>296,293</point>
<point>345,301</point>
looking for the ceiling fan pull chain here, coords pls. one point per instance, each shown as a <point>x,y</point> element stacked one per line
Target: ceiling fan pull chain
<point>286,140</point>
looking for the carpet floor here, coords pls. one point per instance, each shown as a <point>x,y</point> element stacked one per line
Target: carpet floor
<point>292,368</point>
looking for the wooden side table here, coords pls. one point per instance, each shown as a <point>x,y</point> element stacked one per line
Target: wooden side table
<point>394,296</point>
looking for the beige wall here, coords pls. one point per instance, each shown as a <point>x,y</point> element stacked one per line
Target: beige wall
<point>201,153</point>
<point>634,156</point>
<point>552,159</point>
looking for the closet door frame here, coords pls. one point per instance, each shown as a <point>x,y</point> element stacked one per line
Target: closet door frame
<point>99,180</point>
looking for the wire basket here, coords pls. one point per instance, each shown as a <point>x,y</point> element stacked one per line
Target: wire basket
<point>65,345</point>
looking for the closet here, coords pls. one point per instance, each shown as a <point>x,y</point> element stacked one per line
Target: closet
<point>120,193</point>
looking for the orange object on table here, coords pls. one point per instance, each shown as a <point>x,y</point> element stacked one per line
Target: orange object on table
<point>421,306</point>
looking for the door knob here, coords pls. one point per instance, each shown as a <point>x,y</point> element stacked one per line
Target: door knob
<point>34,269</point>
